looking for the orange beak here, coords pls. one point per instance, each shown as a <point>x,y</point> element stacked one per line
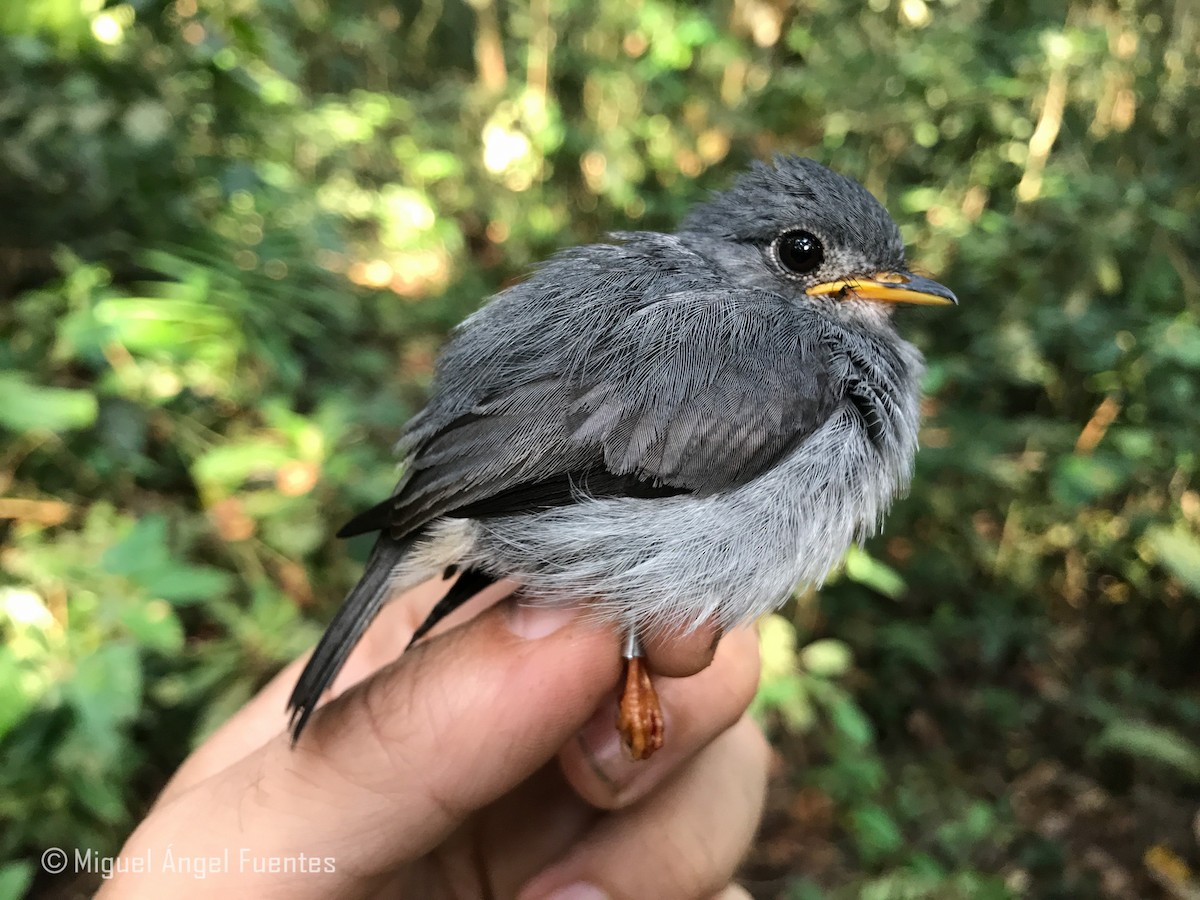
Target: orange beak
<point>889,287</point>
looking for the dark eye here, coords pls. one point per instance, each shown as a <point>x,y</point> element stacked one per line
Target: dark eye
<point>799,252</point>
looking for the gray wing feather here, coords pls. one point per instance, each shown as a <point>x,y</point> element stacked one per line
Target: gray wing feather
<point>609,359</point>
<point>703,389</point>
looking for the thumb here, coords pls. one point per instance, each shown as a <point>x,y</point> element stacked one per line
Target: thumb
<point>387,770</point>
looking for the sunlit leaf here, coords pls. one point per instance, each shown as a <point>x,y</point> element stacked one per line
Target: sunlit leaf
<point>229,465</point>
<point>30,407</point>
<point>148,324</point>
<point>872,573</point>
<point>1179,552</point>
<point>828,658</point>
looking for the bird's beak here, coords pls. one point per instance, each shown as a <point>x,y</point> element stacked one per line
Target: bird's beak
<point>889,287</point>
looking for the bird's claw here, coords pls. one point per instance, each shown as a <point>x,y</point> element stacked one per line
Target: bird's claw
<point>640,719</point>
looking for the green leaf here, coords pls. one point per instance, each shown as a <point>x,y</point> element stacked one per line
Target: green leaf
<point>828,658</point>
<point>1179,552</point>
<point>106,688</point>
<point>1152,743</point>
<point>148,324</point>
<point>870,572</point>
<point>29,407</point>
<point>850,721</point>
<point>15,879</point>
<point>296,535</point>
<point>15,701</point>
<point>876,831</point>
<point>1133,443</point>
<point>776,647</point>
<point>230,465</point>
<point>1079,480</point>
<point>143,547</point>
<point>153,625</point>
<point>434,166</point>
<point>1179,342</point>
<point>789,699</point>
<point>181,583</point>
<point>145,558</point>
<point>101,798</point>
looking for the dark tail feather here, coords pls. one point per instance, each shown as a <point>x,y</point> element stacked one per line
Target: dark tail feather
<point>469,583</point>
<point>358,611</point>
<point>377,518</point>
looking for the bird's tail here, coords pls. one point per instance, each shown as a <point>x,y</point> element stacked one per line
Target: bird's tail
<point>358,610</point>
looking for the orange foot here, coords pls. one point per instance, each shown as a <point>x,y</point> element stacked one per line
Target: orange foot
<point>640,720</point>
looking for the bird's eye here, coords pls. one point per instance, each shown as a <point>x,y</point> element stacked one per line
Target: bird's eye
<point>799,252</point>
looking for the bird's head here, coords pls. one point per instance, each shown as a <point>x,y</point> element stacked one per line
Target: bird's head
<point>802,231</point>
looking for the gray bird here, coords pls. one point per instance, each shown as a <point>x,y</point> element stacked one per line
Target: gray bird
<point>679,428</point>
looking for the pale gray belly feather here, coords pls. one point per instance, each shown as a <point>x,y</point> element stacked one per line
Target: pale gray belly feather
<point>675,562</point>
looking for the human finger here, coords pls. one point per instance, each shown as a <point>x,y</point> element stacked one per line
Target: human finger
<point>681,652</point>
<point>389,768</point>
<point>695,711</point>
<point>682,842</point>
<point>264,717</point>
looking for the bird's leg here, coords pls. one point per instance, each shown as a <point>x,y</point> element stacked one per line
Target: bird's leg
<point>639,719</point>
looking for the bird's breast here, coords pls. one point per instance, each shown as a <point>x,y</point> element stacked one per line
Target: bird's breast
<point>676,561</point>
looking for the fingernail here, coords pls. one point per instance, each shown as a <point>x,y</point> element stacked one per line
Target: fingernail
<point>532,621</point>
<point>580,890</point>
<point>606,755</point>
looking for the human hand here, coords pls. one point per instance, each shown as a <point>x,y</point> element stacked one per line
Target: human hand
<point>484,763</point>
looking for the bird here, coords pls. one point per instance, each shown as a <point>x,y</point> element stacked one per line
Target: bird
<point>666,429</point>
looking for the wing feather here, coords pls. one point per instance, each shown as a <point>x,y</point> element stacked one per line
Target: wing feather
<point>691,391</point>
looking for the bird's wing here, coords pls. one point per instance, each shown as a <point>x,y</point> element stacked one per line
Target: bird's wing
<point>694,392</point>
<point>704,390</point>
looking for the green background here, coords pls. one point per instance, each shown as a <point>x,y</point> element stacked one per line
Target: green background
<point>233,234</point>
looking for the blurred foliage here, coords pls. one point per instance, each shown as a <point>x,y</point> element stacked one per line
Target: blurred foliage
<point>237,233</point>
